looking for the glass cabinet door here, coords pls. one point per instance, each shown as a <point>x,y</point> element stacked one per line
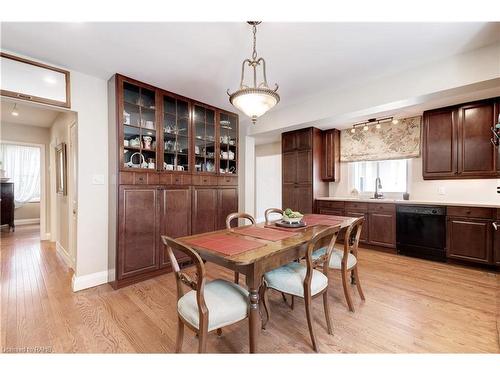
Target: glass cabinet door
<point>204,139</point>
<point>139,128</point>
<point>228,140</point>
<point>176,135</point>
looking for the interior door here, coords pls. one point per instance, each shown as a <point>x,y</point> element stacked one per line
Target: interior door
<point>73,190</point>
<point>204,210</point>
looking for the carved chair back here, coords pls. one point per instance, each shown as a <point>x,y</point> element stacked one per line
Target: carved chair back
<point>327,236</point>
<point>197,283</point>
<point>270,211</point>
<point>238,215</point>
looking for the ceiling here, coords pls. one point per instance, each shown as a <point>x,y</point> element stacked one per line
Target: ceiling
<point>29,114</point>
<point>203,60</point>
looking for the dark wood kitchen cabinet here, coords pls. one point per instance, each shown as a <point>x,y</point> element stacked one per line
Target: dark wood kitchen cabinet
<point>227,203</point>
<point>469,239</point>
<point>204,214</point>
<point>138,230</point>
<point>496,240</point>
<point>382,224</point>
<point>359,209</point>
<point>330,161</point>
<point>456,141</point>
<point>7,203</point>
<point>301,169</point>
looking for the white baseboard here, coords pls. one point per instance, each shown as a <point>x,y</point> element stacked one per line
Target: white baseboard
<point>65,255</point>
<point>26,221</point>
<point>89,281</point>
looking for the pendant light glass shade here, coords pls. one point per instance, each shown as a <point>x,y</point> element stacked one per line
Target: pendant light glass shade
<point>257,100</point>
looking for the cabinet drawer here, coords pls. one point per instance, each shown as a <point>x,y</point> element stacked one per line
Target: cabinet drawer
<point>139,178</point>
<point>330,204</point>
<point>356,206</point>
<point>204,180</point>
<point>181,179</point>
<point>382,207</point>
<point>479,212</point>
<point>227,180</point>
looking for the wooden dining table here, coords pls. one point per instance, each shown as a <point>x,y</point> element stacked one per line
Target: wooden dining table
<point>255,262</point>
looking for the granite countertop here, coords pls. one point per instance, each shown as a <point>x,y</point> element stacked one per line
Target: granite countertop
<point>412,201</point>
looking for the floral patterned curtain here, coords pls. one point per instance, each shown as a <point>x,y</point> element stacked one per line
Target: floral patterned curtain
<point>391,141</point>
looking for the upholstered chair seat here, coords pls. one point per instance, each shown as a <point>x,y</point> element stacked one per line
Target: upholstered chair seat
<point>336,258</point>
<point>289,279</point>
<point>227,303</point>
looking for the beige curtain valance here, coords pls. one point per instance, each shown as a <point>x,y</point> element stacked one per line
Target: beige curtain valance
<point>391,141</point>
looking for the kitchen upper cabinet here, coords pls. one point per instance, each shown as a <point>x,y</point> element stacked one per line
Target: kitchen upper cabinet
<point>476,153</point>
<point>440,144</point>
<point>330,159</point>
<point>138,230</point>
<point>469,239</point>
<point>227,204</point>
<point>301,175</point>
<point>456,141</point>
<point>204,210</point>
<point>175,205</point>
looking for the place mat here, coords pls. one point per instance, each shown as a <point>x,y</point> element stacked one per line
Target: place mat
<point>225,244</point>
<point>264,233</point>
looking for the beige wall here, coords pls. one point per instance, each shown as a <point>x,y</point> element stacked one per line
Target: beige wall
<point>29,134</point>
<point>466,191</point>
<point>267,178</point>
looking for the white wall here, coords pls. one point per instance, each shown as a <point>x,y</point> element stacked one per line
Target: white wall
<point>89,99</point>
<point>460,191</point>
<point>267,178</point>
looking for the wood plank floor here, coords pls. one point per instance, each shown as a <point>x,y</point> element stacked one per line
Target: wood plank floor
<point>412,306</point>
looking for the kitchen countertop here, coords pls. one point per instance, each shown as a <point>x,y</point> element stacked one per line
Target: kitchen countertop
<point>416,201</point>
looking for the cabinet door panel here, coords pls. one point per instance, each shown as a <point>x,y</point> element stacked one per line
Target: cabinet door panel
<point>288,142</point>
<point>175,219</point>
<point>288,196</point>
<point>138,231</point>
<point>227,204</point>
<point>304,167</point>
<point>476,152</point>
<point>439,144</point>
<point>364,231</point>
<point>469,239</point>
<point>330,163</point>
<point>289,168</point>
<point>303,199</point>
<point>496,245</point>
<point>204,212</point>
<point>382,229</point>
<point>303,139</point>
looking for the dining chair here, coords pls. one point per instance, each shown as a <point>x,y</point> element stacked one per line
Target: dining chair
<point>305,281</point>
<point>269,211</point>
<point>229,219</point>
<point>210,305</point>
<point>347,259</point>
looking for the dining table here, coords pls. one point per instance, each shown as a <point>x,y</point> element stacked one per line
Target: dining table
<point>262,248</point>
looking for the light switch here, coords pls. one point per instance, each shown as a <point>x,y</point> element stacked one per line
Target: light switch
<point>98,179</point>
<point>441,190</point>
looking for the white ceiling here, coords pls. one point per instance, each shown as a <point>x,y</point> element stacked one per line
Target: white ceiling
<point>202,60</point>
<point>29,114</point>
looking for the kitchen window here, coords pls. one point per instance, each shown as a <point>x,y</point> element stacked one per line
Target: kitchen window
<point>393,175</point>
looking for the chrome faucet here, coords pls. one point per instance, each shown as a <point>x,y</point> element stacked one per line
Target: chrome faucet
<point>378,185</point>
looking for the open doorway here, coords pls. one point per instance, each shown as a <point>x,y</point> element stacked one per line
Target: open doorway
<point>38,151</point>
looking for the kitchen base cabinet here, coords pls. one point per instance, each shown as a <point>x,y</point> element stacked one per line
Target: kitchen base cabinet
<point>382,229</point>
<point>138,230</point>
<point>364,238</point>
<point>227,204</point>
<point>469,239</point>
<point>204,215</point>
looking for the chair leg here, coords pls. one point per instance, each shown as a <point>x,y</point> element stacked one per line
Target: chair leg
<point>236,277</point>
<point>265,303</point>
<point>353,277</point>
<point>346,290</point>
<point>202,341</point>
<point>358,284</point>
<point>180,336</point>
<point>284,297</point>
<point>327,312</point>
<point>307,301</point>
<point>293,302</point>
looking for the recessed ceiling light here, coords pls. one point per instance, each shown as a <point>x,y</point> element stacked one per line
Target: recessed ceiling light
<point>353,130</point>
<point>365,128</point>
<point>395,121</point>
<point>377,126</point>
<point>15,111</point>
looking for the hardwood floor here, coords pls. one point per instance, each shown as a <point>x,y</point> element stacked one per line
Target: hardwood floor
<point>412,306</point>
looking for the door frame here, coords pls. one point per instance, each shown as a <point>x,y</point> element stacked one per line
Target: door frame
<point>43,188</point>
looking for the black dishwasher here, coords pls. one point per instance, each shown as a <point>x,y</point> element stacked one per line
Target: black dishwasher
<point>421,231</point>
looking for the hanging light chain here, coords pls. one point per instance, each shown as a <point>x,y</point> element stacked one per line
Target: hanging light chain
<point>254,53</point>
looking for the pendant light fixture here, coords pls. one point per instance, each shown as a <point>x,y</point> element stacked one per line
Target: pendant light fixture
<point>254,100</point>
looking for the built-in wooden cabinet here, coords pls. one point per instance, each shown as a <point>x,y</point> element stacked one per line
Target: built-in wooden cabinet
<point>330,160</point>
<point>456,141</point>
<point>496,240</point>
<point>7,203</point>
<point>382,224</point>
<point>173,165</point>
<point>301,169</point>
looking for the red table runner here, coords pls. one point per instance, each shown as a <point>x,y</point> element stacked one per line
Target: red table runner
<point>225,244</point>
<point>264,233</point>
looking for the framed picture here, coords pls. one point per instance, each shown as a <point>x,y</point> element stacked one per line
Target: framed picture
<point>61,169</point>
